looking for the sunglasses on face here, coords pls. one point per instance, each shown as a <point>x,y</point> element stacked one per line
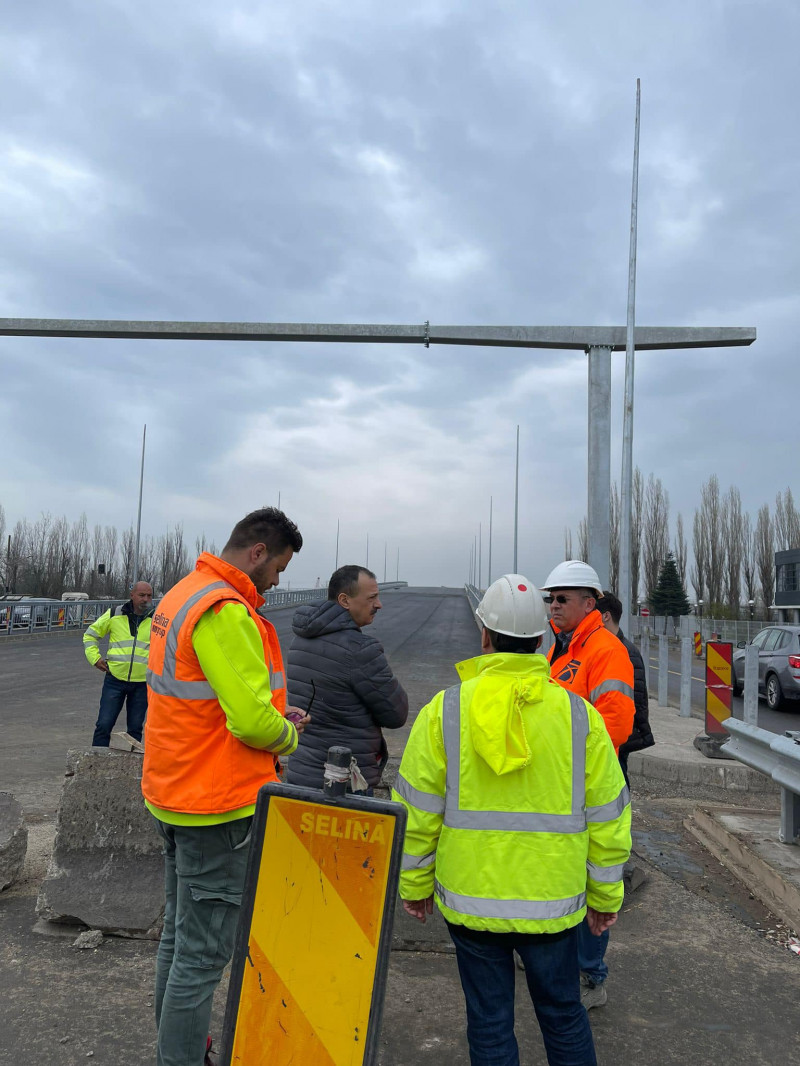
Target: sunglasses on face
<point>560,598</point>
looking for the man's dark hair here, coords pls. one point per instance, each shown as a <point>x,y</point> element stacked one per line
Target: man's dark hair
<point>345,580</point>
<point>266,526</point>
<point>504,642</point>
<point>609,602</point>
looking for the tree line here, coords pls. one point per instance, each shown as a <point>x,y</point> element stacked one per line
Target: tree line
<point>732,552</point>
<point>51,556</point>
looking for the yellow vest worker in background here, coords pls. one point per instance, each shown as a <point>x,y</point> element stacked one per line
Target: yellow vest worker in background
<point>590,661</point>
<point>215,729</point>
<point>125,663</point>
<point>519,823</point>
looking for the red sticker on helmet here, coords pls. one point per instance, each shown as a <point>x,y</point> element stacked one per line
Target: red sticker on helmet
<point>522,588</point>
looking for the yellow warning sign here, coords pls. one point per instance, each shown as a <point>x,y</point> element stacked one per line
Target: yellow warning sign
<point>314,932</point>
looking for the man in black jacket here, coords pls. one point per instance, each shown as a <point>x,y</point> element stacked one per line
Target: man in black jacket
<point>611,610</point>
<point>344,672</point>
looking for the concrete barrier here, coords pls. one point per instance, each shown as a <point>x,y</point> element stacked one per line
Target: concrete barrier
<point>107,869</point>
<point>13,840</point>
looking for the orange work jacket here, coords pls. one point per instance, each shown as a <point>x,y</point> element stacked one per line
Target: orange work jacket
<point>192,762</point>
<point>596,666</point>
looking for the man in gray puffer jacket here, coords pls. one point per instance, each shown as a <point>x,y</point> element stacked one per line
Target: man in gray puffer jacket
<point>355,693</point>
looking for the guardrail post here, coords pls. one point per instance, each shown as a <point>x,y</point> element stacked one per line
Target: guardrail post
<point>663,671</point>
<point>750,710</point>
<point>790,817</point>
<point>686,677</point>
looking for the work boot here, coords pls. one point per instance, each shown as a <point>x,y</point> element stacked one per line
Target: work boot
<point>593,995</point>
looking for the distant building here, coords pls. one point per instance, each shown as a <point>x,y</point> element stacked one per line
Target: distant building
<point>787,585</point>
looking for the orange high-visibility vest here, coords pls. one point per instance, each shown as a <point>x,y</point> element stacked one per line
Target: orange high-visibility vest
<point>192,762</point>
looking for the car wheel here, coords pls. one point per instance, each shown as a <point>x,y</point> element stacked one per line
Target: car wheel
<point>774,693</point>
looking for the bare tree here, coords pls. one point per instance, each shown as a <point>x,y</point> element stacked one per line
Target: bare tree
<point>787,522</point>
<point>637,517</point>
<point>3,551</point>
<point>583,540</point>
<point>16,561</point>
<point>680,550</point>
<point>614,528</point>
<point>765,555</point>
<point>79,554</point>
<point>58,557</point>
<point>749,561</point>
<point>699,542</point>
<point>733,538</point>
<point>711,507</point>
<point>655,532</point>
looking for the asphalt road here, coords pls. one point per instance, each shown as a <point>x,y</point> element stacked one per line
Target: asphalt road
<point>774,721</point>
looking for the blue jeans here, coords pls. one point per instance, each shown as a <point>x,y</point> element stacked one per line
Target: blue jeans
<point>487,971</point>
<point>591,953</point>
<point>112,698</point>
<point>205,867</point>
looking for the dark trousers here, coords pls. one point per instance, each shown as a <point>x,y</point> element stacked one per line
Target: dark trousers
<point>487,971</point>
<point>112,698</point>
<point>204,867</point>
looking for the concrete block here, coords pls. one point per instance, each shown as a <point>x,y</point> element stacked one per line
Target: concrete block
<point>107,868</point>
<point>13,840</point>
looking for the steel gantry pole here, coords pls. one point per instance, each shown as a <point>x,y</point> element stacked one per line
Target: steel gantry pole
<point>489,574</point>
<point>516,503</point>
<point>599,467</point>
<point>626,593</point>
<point>139,515</point>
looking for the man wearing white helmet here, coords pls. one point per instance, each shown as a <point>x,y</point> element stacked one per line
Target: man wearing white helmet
<point>512,790</point>
<point>588,660</point>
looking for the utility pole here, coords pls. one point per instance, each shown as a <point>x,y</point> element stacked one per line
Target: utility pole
<point>397,573</point>
<point>384,561</point>
<point>489,575</point>
<point>516,503</point>
<point>480,556</point>
<point>626,495</point>
<point>336,567</point>
<point>139,517</point>
<point>367,562</point>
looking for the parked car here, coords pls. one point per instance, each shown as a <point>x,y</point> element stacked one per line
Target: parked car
<point>778,665</point>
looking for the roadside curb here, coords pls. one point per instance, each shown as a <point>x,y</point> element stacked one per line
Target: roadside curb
<point>746,842</point>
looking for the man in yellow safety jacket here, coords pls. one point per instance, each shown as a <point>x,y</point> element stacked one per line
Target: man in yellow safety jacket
<point>124,664</point>
<point>215,728</point>
<point>519,824</point>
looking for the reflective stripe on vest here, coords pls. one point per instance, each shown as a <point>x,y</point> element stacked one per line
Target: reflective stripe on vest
<point>610,686</point>
<point>607,875</point>
<point>609,811</point>
<point>423,801</point>
<point>512,821</point>
<point>510,909</point>
<point>166,684</point>
<point>417,862</point>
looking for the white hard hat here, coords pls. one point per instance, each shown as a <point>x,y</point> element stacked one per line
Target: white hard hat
<point>574,574</point>
<point>512,605</point>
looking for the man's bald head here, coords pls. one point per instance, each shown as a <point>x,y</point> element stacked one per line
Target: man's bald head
<point>141,597</point>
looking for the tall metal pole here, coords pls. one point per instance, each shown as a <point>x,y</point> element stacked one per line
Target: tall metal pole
<point>279,500</point>
<point>480,556</point>
<point>626,494</point>
<point>139,516</point>
<point>367,562</point>
<point>384,561</point>
<point>397,573</point>
<point>489,575</point>
<point>516,503</point>
<point>336,567</point>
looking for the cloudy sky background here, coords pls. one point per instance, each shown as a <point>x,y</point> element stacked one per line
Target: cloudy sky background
<point>323,161</point>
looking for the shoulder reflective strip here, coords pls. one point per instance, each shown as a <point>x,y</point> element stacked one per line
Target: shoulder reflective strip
<point>277,680</point>
<point>417,862</point>
<point>171,648</point>
<point>608,875</point>
<point>515,821</point>
<point>607,812</point>
<point>423,801</point>
<point>92,632</point>
<point>520,909</point>
<point>451,734</point>
<point>181,690</point>
<point>610,686</point>
<point>580,731</point>
<point>118,610</point>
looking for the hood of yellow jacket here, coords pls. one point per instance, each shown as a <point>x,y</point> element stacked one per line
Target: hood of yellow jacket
<point>509,686</point>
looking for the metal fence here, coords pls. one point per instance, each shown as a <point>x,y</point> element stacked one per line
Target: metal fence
<point>24,617</point>
<point>726,629</point>
<point>286,597</point>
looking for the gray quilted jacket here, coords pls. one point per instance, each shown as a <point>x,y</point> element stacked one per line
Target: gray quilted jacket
<point>356,693</point>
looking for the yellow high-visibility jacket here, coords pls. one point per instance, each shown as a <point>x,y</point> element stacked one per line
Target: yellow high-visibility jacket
<point>127,650</point>
<point>518,813</point>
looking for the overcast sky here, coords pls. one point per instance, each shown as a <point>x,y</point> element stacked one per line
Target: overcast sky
<point>332,161</point>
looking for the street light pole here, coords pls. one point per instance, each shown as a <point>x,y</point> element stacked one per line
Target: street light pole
<point>489,575</point>
<point>516,503</point>
<point>139,516</point>
<point>336,567</point>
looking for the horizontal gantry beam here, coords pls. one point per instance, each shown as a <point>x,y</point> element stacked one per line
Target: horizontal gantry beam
<point>579,338</point>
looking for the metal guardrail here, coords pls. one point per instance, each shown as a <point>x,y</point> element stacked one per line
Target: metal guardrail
<point>287,597</point>
<point>725,629</point>
<point>21,617</point>
<point>777,757</point>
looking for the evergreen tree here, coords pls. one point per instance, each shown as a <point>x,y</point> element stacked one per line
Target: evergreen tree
<point>669,596</point>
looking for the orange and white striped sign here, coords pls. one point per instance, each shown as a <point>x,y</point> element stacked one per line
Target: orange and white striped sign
<point>719,690</point>
<point>312,951</point>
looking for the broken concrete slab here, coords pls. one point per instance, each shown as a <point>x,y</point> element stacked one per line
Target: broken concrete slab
<point>13,840</point>
<point>107,869</point>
